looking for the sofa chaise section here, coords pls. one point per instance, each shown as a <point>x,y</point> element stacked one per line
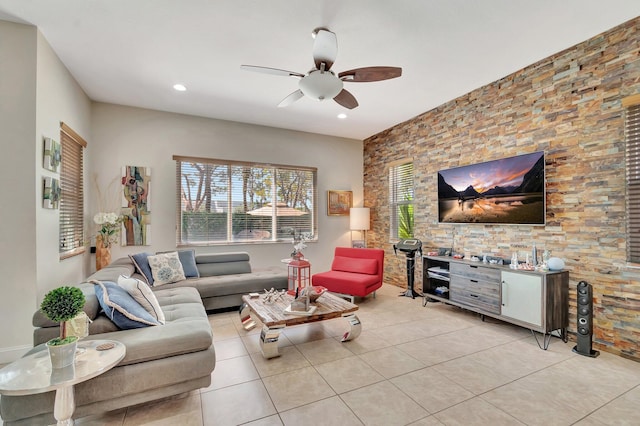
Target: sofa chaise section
<point>160,361</point>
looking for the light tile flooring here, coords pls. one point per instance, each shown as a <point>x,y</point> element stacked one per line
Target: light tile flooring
<point>411,365</point>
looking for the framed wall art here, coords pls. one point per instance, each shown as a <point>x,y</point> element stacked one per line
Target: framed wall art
<point>50,193</point>
<point>51,155</point>
<point>136,206</point>
<point>339,202</point>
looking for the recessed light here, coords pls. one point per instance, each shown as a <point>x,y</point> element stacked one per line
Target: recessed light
<point>342,116</point>
<point>179,87</point>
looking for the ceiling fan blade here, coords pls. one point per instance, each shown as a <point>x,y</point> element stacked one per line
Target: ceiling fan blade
<point>346,99</point>
<point>274,71</point>
<point>291,98</point>
<point>367,74</point>
<point>325,48</point>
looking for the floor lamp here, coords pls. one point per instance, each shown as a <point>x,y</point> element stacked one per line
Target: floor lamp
<point>359,220</point>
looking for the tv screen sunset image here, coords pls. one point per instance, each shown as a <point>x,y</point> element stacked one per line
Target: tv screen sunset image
<point>508,190</point>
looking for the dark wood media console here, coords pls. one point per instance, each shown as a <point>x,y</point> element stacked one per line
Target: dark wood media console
<point>535,300</point>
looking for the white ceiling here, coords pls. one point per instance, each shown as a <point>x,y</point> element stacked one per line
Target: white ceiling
<point>131,52</point>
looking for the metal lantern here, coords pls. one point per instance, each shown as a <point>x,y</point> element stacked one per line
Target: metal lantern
<point>299,275</point>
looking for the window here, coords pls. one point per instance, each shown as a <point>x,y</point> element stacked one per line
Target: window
<point>632,137</point>
<point>71,193</point>
<point>220,201</point>
<point>401,200</point>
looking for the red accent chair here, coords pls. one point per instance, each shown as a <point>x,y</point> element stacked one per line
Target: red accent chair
<point>354,272</point>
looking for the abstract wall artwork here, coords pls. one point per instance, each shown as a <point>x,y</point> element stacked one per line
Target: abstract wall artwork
<point>52,155</point>
<point>50,193</point>
<point>136,206</point>
<point>339,202</point>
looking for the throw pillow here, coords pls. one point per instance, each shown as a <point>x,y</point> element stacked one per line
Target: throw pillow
<point>142,266</point>
<point>166,268</point>
<point>188,261</point>
<point>120,307</point>
<point>143,295</point>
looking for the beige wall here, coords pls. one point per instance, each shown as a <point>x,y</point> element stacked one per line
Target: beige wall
<point>58,98</point>
<point>140,137</point>
<point>17,173</point>
<point>569,106</point>
<point>36,93</point>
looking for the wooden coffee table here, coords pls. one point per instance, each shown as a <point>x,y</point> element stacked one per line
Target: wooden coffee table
<point>274,319</point>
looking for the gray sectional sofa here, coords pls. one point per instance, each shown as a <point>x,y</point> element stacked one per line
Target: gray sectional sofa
<point>161,361</point>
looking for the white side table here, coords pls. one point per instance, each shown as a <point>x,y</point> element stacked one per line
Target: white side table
<point>33,374</point>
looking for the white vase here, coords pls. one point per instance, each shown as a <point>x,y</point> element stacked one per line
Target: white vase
<point>556,264</point>
<point>62,355</point>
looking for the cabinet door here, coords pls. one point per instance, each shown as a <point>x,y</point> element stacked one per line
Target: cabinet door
<point>522,297</point>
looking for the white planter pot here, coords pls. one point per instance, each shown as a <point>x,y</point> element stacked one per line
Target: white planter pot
<point>62,355</point>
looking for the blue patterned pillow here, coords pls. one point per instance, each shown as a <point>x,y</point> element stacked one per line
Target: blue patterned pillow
<point>142,266</point>
<point>121,307</point>
<point>188,261</point>
<point>166,268</point>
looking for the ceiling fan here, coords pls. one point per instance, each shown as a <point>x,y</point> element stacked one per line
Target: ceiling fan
<point>321,83</point>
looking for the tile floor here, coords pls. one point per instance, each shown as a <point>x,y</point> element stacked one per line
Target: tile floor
<point>411,365</point>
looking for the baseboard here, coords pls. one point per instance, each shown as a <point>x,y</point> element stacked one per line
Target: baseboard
<point>8,355</point>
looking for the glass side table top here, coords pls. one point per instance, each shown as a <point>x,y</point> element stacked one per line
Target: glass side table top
<point>33,373</point>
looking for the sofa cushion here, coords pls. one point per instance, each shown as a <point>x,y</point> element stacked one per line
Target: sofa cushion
<point>222,285</point>
<point>141,262</point>
<point>187,329</point>
<point>166,268</point>
<point>143,295</point>
<point>214,264</point>
<point>121,308</point>
<point>355,265</point>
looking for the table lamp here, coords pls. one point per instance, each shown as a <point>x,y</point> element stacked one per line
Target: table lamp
<point>359,220</point>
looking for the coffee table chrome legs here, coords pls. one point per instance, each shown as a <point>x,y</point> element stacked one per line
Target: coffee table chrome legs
<point>355,327</point>
<point>245,317</point>
<point>269,341</point>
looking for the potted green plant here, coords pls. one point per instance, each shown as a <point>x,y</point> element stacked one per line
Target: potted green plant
<point>60,305</point>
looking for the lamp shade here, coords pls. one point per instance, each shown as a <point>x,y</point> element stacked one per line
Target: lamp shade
<point>359,219</point>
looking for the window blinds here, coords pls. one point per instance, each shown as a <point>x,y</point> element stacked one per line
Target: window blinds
<point>220,201</point>
<point>632,137</point>
<point>401,200</point>
<point>71,193</point>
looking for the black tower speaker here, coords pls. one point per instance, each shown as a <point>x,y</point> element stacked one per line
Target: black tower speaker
<point>585,320</point>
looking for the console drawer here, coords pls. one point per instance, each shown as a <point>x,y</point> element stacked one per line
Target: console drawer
<point>476,272</point>
<point>484,295</point>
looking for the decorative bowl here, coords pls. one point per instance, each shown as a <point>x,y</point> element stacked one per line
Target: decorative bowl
<point>314,292</point>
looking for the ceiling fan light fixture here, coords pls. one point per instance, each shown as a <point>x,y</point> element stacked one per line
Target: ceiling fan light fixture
<point>320,85</point>
<point>315,31</point>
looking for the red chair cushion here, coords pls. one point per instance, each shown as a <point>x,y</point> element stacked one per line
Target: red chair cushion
<point>347,282</point>
<point>358,266</point>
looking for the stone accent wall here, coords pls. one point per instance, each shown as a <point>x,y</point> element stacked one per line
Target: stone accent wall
<point>567,105</point>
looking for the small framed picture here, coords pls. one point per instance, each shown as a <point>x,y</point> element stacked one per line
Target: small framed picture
<point>339,203</point>
<point>358,244</point>
<point>50,193</point>
<point>51,155</point>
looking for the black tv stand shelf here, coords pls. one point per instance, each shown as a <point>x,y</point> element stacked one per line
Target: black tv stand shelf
<point>535,300</point>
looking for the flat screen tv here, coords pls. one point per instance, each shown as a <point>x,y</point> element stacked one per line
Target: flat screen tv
<point>506,191</point>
